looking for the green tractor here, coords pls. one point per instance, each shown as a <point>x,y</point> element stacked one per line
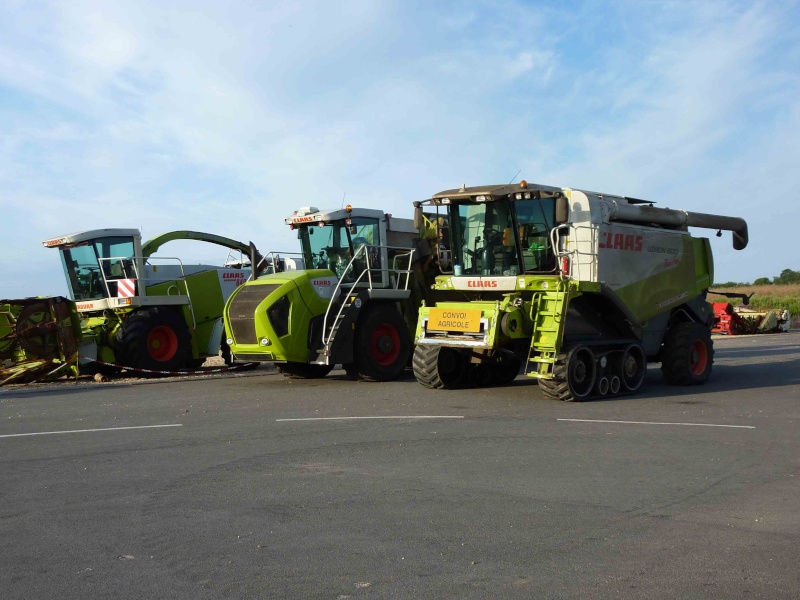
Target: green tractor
<point>579,288</point>
<point>144,312</point>
<point>354,304</point>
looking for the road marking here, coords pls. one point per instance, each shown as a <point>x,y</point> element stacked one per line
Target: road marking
<point>10,435</point>
<point>364,418</point>
<point>656,423</point>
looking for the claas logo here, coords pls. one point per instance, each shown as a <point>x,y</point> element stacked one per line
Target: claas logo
<point>621,241</point>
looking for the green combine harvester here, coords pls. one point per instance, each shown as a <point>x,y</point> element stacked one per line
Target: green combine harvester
<point>579,290</point>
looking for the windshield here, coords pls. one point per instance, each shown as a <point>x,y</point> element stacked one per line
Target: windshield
<point>502,237</point>
<point>82,265</point>
<point>331,247</point>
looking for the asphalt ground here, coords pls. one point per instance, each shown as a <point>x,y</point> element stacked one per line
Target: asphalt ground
<point>255,486</point>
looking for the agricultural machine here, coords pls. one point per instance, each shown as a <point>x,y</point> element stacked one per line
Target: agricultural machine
<point>355,304</point>
<point>146,312</point>
<point>740,320</point>
<point>579,288</point>
<point>38,338</point>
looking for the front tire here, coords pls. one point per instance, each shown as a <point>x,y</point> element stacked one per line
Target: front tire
<point>687,355</point>
<point>439,367</point>
<point>156,339</point>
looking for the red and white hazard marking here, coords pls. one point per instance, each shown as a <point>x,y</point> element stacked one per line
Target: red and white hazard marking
<point>126,288</point>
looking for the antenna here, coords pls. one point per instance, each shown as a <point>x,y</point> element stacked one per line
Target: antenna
<point>343,195</point>
<point>515,176</point>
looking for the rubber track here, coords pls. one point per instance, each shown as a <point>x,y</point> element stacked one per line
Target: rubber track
<point>558,388</point>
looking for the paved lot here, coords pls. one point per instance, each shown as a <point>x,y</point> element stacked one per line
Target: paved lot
<point>209,489</point>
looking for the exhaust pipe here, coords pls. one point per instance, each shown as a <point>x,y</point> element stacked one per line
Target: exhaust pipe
<point>615,385</point>
<point>602,386</point>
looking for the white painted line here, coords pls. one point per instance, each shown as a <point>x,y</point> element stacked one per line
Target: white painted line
<point>655,423</point>
<point>90,430</point>
<point>364,418</point>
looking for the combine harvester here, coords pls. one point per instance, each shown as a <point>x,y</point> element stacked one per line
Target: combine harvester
<point>581,289</point>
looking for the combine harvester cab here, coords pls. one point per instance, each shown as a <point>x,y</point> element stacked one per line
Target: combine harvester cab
<point>145,312</point>
<point>354,304</point>
<point>582,289</point>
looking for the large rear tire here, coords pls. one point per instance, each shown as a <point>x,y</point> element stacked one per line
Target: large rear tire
<point>439,367</point>
<point>155,339</point>
<point>382,345</point>
<point>297,370</point>
<point>687,355</point>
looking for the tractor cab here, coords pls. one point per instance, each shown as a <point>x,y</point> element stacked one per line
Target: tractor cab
<point>100,264</point>
<point>350,242</point>
<point>501,230</point>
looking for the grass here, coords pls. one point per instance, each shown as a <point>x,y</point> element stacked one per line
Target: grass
<point>783,297</point>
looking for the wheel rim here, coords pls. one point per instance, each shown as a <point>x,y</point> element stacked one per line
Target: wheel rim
<point>633,368</point>
<point>581,372</point>
<point>162,343</point>
<point>385,345</point>
<point>699,357</point>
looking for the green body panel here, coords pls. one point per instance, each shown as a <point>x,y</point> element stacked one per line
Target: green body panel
<point>305,304</point>
<point>534,313</point>
<point>664,291</point>
<point>205,295</point>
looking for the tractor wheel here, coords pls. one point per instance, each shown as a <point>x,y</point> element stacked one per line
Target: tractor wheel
<point>574,376</point>
<point>382,345</point>
<point>156,339</point>
<point>687,355</point>
<point>439,367</point>
<point>633,368</point>
<point>36,331</point>
<point>298,370</point>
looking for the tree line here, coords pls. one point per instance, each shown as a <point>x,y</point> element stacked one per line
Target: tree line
<point>787,276</point>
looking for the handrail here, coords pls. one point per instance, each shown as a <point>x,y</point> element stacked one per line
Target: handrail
<point>134,262</point>
<point>368,271</point>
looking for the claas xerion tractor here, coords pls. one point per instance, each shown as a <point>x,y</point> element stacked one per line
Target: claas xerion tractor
<point>355,303</point>
<point>581,289</point>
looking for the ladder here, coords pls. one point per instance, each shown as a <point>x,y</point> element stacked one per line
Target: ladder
<point>396,278</point>
<point>548,314</point>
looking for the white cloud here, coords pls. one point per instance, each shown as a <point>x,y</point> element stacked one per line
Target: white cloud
<point>228,116</point>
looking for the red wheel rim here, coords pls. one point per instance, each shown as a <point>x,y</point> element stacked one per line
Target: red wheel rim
<point>385,345</point>
<point>162,343</point>
<point>699,357</point>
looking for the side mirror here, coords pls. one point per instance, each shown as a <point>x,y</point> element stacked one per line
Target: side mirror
<point>562,210</point>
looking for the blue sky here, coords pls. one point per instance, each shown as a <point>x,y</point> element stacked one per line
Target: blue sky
<point>226,116</point>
